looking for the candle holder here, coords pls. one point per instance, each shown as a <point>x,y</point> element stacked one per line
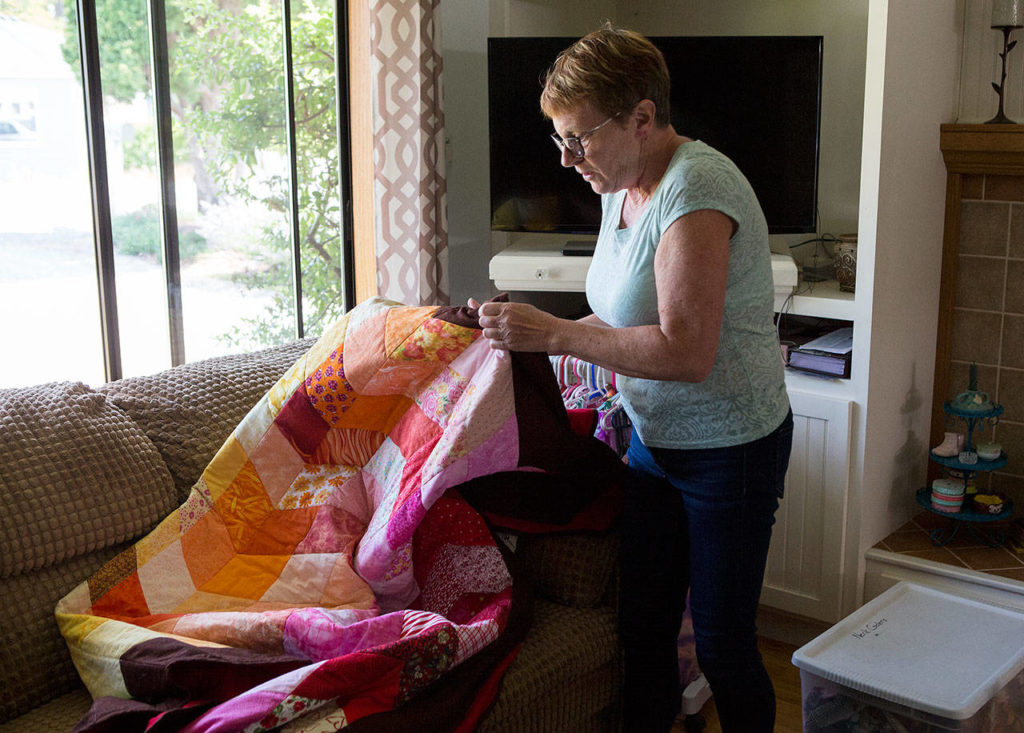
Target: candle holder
<point>1007,16</point>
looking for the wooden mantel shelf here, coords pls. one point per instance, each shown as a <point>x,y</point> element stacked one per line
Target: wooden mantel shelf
<point>984,149</point>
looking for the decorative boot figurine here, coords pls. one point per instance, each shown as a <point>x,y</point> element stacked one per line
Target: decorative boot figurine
<point>950,446</point>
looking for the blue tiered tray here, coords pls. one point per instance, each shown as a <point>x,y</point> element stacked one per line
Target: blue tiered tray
<point>967,518</point>
<point>981,465</point>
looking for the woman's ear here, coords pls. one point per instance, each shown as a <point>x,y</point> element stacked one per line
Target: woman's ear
<point>644,114</point>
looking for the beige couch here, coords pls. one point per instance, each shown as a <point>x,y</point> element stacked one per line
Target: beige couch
<point>68,452</point>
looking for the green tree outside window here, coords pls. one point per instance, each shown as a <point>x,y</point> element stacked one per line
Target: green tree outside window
<point>227,90</point>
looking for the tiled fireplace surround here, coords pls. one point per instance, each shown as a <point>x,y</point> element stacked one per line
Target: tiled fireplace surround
<point>981,321</point>
<point>988,320</point>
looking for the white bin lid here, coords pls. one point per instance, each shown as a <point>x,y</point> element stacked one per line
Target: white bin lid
<point>923,649</point>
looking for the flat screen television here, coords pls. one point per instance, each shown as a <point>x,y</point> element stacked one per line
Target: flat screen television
<point>755,98</point>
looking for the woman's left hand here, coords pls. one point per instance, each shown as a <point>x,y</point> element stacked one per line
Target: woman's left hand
<point>516,326</point>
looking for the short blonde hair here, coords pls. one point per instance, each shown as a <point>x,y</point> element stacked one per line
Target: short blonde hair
<point>611,68</point>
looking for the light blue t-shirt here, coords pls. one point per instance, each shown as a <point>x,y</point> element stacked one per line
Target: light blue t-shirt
<point>744,397</point>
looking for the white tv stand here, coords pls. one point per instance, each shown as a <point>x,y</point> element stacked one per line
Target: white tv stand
<point>539,265</point>
<point>532,265</point>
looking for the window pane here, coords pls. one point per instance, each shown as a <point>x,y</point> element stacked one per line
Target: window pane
<point>231,174</point>
<point>133,180</point>
<point>49,304</point>
<point>316,119</point>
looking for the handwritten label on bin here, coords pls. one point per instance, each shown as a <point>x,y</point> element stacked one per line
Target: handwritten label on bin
<point>871,628</point>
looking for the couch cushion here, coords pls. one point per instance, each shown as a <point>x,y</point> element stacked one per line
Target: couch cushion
<point>58,715</point>
<point>67,458</point>
<point>189,411</point>
<point>573,569</point>
<point>566,677</point>
<point>35,665</point>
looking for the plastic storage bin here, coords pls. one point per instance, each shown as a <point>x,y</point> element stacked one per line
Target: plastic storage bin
<point>916,660</point>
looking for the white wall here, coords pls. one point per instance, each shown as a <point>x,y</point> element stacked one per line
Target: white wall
<point>464,30</point>
<point>843,25</point>
<point>466,24</point>
<point>465,27</point>
<point>980,65</point>
<point>912,79</point>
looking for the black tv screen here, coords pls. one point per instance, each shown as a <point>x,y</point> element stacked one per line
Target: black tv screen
<point>755,98</point>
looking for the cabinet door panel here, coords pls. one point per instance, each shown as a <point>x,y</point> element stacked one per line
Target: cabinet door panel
<point>804,569</point>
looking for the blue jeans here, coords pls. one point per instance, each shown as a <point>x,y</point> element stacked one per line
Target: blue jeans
<point>698,520</point>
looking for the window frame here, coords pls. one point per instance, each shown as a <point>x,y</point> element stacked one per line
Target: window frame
<point>353,286</point>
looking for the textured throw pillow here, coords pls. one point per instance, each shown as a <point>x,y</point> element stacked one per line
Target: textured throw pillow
<point>573,569</point>
<point>189,411</point>
<point>76,475</point>
<point>35,665</point>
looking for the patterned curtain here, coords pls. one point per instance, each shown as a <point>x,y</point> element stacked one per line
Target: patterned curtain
<point>408,156</point>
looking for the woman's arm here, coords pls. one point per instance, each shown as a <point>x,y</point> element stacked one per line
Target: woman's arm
<point>690,267</point>
<point>593,320</point>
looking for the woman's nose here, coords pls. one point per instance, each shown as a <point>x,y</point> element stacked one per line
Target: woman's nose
<point>568,159</point>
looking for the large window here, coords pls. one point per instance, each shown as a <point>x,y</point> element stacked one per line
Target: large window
<point>176,193</point>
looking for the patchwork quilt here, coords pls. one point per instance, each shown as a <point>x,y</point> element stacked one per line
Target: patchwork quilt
<point>335,566</point>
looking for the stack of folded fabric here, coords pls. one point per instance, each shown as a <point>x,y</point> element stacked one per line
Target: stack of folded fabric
<point>947,494</point>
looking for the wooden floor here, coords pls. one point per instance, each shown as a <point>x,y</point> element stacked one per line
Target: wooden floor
<point>785,677</point>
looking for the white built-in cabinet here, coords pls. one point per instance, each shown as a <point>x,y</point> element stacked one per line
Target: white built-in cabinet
<point>803,573</point>
<point>841,502</point>
<point>861,448</point>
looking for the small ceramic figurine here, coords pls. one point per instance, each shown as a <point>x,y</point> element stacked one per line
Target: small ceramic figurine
<point>968,457</point>
<point>973,400</point>
<point>951,445</point>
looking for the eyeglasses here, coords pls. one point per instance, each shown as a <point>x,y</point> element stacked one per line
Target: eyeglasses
<point>574,143</point>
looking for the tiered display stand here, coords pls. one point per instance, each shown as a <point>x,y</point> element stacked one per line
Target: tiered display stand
<point>974,420</point>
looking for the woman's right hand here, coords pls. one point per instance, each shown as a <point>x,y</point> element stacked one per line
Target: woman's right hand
<point>515,326</point>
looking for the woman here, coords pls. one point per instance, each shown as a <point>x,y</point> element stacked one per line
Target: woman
<point>681,293</point>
